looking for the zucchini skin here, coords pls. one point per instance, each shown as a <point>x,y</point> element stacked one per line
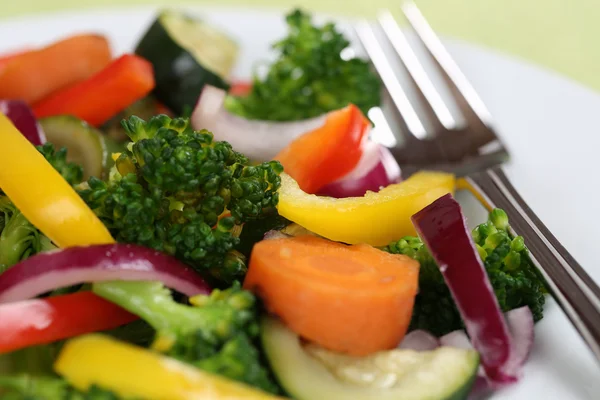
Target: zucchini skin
<point>179,76</point>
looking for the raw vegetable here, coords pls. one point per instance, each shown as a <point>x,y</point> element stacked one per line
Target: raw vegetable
<point>443,229</point>
<point>257,140</point>
<point>375,218</point>
<point>135,372</point>
<point>172,185</point>
<point>47,197</point>
<point>39,73</point>
<point>309,372</point>
<point>513,277</point>
<point>86,145</point>
<point>419,340</point>
<point>353,299</point>
<point>40,321</point>
<point>215,334</point>
<point>376,169</point>
<point>240,88</point>
<point>74,265</point>
<point>19,239</point>
<point>327,153</point>
<point>24,387</point>
<point>23,119</point>
<point>186,54</point>
<point>95,100</point>
<point>311,76</point>
<point>145,108</point>
<point>5,58</point>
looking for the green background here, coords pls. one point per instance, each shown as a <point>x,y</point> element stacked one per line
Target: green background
<point>559,34</point>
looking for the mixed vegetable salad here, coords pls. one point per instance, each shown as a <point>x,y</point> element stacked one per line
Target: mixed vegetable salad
<point>165,234</point>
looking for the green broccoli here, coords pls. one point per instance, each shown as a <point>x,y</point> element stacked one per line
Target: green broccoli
<point>170,190</point>
<point>515,280</point>
<point>19,239</point>
<point>25,387</point>
<point>217,333</point>
<point>310,76</point>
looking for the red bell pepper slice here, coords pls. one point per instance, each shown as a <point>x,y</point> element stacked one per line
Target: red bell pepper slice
<point>41,321</point>
<point>125,81</point>
<point>329,152</point>
<point>240,88</point>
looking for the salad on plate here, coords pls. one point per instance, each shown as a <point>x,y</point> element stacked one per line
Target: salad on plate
<point>168,233</point>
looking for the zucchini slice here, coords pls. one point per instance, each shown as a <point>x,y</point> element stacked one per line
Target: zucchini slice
<point>186,54</point>
<point>85,144</point>
<point>308,372</point>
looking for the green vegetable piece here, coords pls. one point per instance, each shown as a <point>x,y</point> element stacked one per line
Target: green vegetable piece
<point>216,334</point>
<point>515,280</point>
<point>171,188</point>
<point>310,77</point>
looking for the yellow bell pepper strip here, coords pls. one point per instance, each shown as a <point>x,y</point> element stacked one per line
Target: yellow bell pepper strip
<point>375,219</point>
<point>43,196</point>
<point>132,371</point>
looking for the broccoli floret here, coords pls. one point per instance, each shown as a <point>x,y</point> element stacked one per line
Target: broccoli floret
<point>515,280</point>
<point>19,239</point>
<point>25,387</point>
<point>72,172</point>
<point>217,333</point>
<point>310,76</point>
<point>178,191</point>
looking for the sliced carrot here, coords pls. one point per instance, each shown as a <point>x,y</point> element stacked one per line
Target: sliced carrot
<point>354,299</point>
<point>329,152</point>
<point>35,74</point>
<point>8,57</point>
<point>95,100</point>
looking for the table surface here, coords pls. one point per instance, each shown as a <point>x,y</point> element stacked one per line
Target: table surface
<point>558,34</point>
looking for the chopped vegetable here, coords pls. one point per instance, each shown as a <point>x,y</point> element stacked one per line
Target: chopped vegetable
<point>419,340</point>
<point>74,265</point>
<point>443,229</point>
<point>258,140</point>
<point>327,153</point>
<point>353,299</point>
<point>513,277</point>
<point>309,372</point>
<point>173,184</point>
<point>186,54</point>
<point>47,200</point>
<point>23,119</point>
<point>215,334</point>
<point>311,76</point>
<point>40,321</point>
<point>376,169</point>
<point>95,100</point>
<point>375,218</point>
<point>39,73</point>
<point>132,371</point>
<point>25,387</point>
<point>240,88</point>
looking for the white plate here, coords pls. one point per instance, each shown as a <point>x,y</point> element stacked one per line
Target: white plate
<point>549,124</point>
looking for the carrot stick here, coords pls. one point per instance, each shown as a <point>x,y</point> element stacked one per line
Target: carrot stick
<point>35,74</point>
<point>96,100</point>
<point>8,57</point>
<point>329,152</point>
<point>353,299</point>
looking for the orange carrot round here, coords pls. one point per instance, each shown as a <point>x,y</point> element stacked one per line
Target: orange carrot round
<point>36,74</point>
<point>353,299</point>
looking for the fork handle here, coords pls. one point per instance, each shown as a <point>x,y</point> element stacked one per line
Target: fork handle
<point>574,290</point>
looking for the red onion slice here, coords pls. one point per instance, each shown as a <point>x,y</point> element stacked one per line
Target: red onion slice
<point>274,234</point>
<point>419,340</point>
<point>458,339</point>
<point>376,169</point>
<point>258,140</point>
<point>521,325</point>
<point>61,268</point>
<point>23,119</point>
<point>444,231</point>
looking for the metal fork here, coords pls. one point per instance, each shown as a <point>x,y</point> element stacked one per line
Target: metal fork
<point>474,151</point>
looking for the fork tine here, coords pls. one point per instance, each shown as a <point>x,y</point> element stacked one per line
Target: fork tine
<point>415,69</point>
<point>388,77</point>
<point>465,95</point>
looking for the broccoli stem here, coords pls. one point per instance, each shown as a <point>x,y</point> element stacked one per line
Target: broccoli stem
<point>152,302</point>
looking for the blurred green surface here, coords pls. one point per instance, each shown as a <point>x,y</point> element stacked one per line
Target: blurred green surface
<point>558,34</point>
